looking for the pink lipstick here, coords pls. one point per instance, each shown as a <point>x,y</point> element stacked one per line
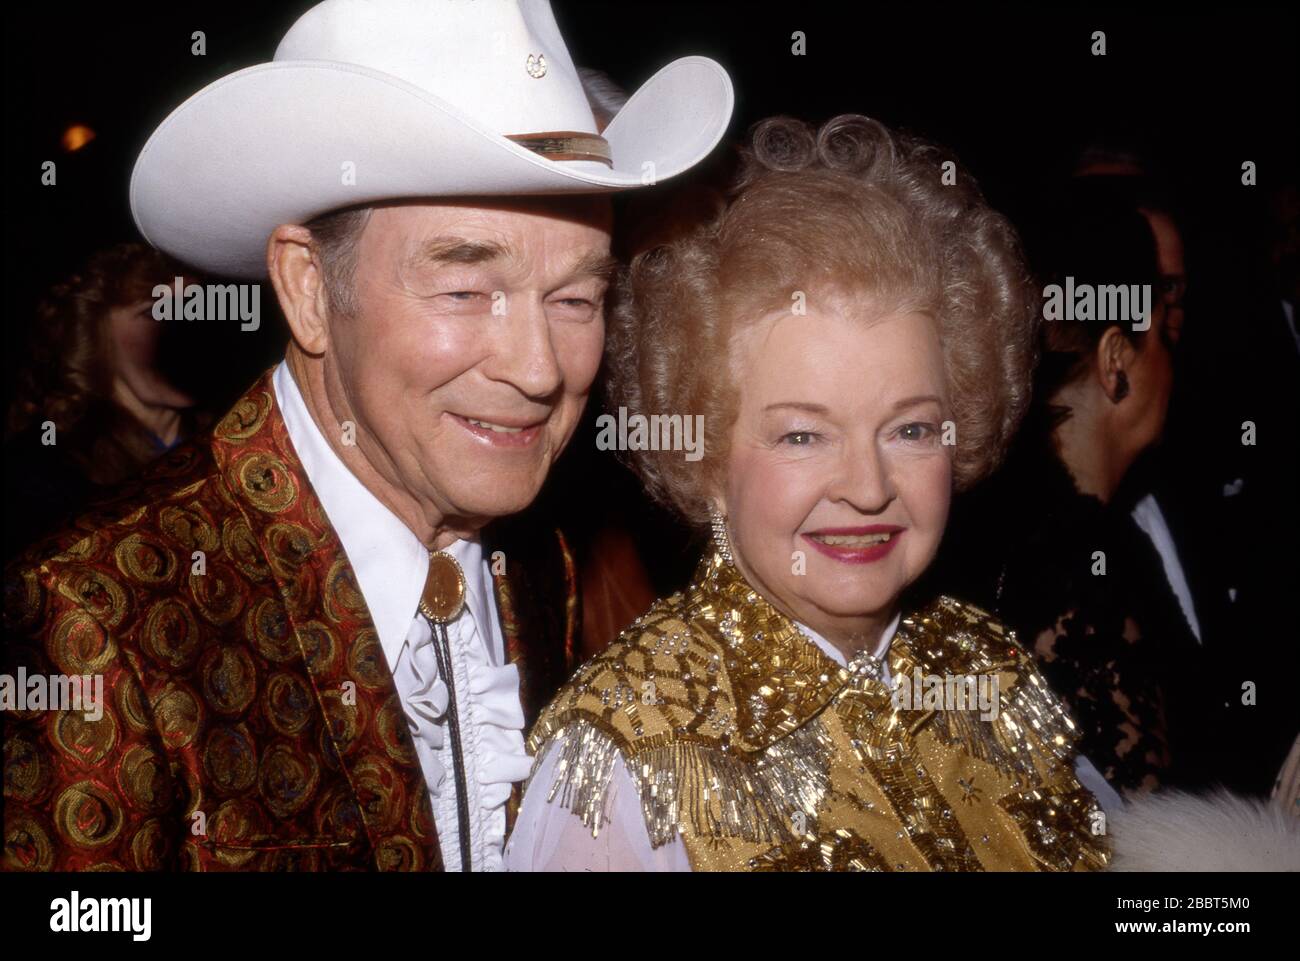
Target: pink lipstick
<point>855,545</point>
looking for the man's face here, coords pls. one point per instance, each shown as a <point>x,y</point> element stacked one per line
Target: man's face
<point>1173,270</point>
<point>478,334</point>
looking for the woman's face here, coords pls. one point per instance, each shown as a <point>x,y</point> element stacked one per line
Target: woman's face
<point>839,480</point>
<point>135,337</point>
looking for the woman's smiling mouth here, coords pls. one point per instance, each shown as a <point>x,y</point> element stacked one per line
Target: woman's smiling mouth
<point>855,545</point>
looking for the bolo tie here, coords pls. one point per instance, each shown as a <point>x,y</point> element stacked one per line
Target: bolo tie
<point>441,601</point>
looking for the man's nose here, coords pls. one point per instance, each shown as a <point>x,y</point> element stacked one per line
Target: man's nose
<point>525,355</point>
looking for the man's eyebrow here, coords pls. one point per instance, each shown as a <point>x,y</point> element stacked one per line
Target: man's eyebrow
<point>458,250</point>
<point>598,263</point>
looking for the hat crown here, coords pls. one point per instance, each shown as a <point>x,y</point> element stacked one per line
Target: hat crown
<point>502,63</point>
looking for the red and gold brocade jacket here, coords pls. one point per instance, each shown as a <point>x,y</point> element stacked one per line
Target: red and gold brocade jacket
<point>251,721</point>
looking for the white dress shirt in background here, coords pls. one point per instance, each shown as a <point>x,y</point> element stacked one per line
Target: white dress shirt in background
<point>1151,519</point>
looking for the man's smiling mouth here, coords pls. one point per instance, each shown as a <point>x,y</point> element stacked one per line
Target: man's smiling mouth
<point>502,434</point>
<point>499,428</point>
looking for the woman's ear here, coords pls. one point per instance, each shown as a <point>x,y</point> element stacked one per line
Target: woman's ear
<point>1115,354</point>
<point>299,285</point>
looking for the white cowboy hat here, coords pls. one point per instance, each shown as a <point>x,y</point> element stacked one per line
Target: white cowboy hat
<point>370,100</point>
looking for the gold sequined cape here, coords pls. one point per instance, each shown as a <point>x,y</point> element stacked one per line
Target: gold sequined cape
<point>762,753</point>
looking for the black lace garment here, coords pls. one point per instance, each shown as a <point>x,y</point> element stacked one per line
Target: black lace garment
<point>1030,547</point>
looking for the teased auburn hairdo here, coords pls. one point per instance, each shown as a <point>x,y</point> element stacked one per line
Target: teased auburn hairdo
<point>850,208</point>
<point>67,376</point>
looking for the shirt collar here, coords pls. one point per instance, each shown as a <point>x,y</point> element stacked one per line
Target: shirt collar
<point>388,559</point>
<point>469,554</point>
<point>833,652</point>
<point>781,674</point>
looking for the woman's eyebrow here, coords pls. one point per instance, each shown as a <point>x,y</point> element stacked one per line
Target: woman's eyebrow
<point>917,400</point>
<point>821,409</point>
<point>798,405</point>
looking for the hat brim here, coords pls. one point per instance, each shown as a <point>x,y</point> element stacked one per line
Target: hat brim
<point>282,142</point>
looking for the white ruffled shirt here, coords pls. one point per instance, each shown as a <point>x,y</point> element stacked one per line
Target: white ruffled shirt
<point>390,565</point>
<point>550,837</point>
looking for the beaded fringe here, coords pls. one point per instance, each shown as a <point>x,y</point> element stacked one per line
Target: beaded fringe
<point>715,793</point>
<point>1003,742</point>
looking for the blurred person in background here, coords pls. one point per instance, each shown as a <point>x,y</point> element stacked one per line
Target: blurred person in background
<point>97,398</point>
<point>1225,471</point>
<point>1074,574</point>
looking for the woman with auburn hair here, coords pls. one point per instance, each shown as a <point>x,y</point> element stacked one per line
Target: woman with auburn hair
<point>92,404</point>
<point>856,328</point>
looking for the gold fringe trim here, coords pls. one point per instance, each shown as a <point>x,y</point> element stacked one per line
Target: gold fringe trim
<point>685,784</point>
<point>1031,736</point>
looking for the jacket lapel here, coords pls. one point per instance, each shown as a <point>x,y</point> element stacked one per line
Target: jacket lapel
<point>367,734</point>
<point>535,585</point>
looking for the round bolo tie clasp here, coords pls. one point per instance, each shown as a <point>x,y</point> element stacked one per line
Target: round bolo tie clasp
<point>444,589</point>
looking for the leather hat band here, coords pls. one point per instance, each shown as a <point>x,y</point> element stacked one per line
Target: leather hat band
<point>566,145</point>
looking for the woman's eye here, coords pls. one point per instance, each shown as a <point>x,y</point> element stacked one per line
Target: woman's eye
<point>916,431</point>
<point>798,438</point>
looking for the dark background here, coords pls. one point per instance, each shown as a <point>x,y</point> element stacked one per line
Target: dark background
<point>1013,90</point>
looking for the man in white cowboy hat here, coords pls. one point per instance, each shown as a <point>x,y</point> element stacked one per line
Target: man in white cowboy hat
<point>321,636</point>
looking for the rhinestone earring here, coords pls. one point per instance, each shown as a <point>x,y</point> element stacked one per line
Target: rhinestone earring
<point>721,540</point>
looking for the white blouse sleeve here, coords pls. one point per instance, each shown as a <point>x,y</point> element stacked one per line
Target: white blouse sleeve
<point>1088,775</point>
<point>549,837</point>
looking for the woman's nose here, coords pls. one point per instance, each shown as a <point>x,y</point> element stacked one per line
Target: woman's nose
<point>863,480</point>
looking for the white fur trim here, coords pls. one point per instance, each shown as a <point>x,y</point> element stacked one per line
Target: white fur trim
<point>1219,831</point>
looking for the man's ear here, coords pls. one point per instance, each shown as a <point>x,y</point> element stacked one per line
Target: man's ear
<point>299,286</point>
<point>1115,354</point>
